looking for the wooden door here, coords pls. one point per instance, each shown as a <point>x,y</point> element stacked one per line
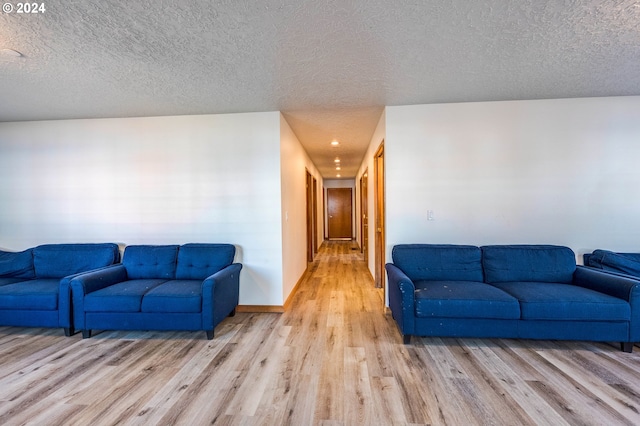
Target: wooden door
<point>378,162</point>
<point>310,227</point>
<point>339,210</point>
<point>364,215</point>
<point>314,205</point>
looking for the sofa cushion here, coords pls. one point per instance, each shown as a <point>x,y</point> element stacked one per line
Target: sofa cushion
<point>60,260</point>
<point>625,263</point>
<point>551,301</point>
<point>528,263</point>
<point>39,294</point>
<point>121,297</point>
<point>174,296</point>
<point>198,261</point>
<point>463,299</point>
<point>145,261</point>
<point>439,262</point>
<point>17,264</point>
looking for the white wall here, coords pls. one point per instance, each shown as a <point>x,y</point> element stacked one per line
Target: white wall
<point>295,162</point>
<point>378,137</point>
<point>550,171</point>
<point>163,180</point>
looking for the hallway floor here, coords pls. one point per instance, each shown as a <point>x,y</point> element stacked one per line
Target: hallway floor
<point>334,358</point>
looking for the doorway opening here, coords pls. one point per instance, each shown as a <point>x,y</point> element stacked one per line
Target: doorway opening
<point>364,216</point>
<point>312,216</point>
<point>378,164</point>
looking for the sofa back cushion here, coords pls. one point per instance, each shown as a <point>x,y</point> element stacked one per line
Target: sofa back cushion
<point>198,261</point>
<point>439,262</point>
<point>17,264</point>
<point>529,263</point>
<point>625,263</point>
<point>150,261</point>
<point>60,260</point>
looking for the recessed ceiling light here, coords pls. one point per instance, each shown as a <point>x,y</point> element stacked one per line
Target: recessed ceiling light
<point>338,168</point>
<point>337,160</point>
<point>338,175</point>
<point>335,143</point>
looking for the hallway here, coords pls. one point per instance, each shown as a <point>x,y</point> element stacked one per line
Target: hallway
<point>334,358</point>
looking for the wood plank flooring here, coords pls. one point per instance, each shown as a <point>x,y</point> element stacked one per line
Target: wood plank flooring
<point>334,358</point>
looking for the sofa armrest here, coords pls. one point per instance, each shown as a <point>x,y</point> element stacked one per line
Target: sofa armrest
<point>620,286</point>
<point>220,295</point>
<point>65,315</point>
<point>401,299</point>
<point>89,282</point>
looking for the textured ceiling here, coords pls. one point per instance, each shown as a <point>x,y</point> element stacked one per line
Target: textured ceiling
<point>329,65</point>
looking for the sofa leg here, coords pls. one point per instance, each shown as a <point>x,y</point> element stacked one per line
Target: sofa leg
<point>233,313</point>
<point>209,334</point>
<point>626,347</point>
<point>406,339</point>
<point>86,334</point>
<point>69,331</point>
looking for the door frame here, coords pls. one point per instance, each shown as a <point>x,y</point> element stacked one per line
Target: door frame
<point>379,194</point>
<point>310,226</point>
<point>314,205</point>
<point>364,215</point>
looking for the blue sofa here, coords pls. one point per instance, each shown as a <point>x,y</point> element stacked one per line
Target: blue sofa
<point>509,291</point>
<point>34,283</point>
<point>159,287</point>
<point>620,263</point>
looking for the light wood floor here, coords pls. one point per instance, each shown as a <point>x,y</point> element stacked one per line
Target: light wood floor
<point>334,358</point>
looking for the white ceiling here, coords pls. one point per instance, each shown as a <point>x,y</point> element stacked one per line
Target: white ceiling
<point>329,65</point>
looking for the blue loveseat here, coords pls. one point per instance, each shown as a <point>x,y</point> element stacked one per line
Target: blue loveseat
<point>159,287</point>
<point>509,291</point>
<point>34,283</point>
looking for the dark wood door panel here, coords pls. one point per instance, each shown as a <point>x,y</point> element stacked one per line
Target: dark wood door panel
<point>339,209</point>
